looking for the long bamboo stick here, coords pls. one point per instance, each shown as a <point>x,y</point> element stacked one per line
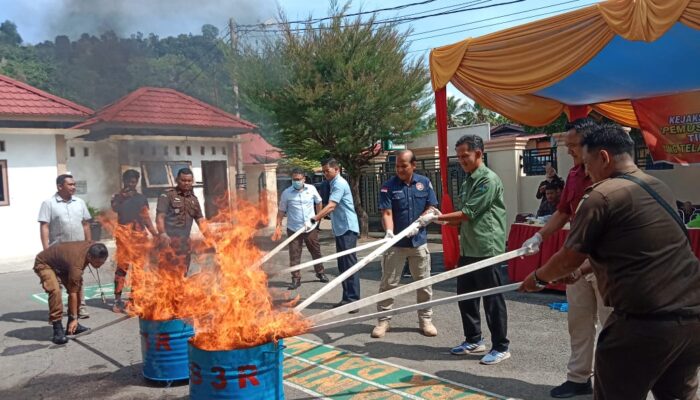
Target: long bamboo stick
<point>360,264</point>
<point>419,306</point>
<point>282,245</point>
<point>105,325</point>
<point>331,257</point>
<point>355,305</point>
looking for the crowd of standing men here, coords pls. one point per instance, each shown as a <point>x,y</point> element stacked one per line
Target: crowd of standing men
<point>627,262</point>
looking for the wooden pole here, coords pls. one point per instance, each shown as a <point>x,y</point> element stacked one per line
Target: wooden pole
<point>356,305</point>
<point>427,304</point>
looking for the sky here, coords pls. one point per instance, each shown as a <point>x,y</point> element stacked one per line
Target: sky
<point>39,20</point>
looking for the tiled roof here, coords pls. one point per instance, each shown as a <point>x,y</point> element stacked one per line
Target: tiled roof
<point>258,150</point>
<point>18,99</point>
<point>165,107</point>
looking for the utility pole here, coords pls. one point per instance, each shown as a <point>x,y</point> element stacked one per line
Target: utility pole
<point>241,184</point>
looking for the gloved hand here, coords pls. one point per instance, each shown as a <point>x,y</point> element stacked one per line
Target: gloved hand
<point>428,218</point>
<point>533,244</point>
<point>413,232</point>
<point>309,225</point>
<point>389,234</point>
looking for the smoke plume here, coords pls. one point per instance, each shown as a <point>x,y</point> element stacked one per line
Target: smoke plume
<point>163,17</point>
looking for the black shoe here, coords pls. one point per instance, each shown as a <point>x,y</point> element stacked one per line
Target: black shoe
<point>296,282</point>
<point>79,329</point>
<point>571,389</point>
<point>322,277</point>
<point>59,335</point>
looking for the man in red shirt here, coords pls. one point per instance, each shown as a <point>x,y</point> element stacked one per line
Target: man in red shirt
<point>585,303</point>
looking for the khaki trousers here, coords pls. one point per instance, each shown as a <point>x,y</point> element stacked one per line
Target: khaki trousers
<point>392,266</point>
<point>50,282</point>
<point>586,309</point>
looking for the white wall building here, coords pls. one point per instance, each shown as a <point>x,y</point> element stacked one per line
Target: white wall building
<point>32,153</point>
<point>155,131</point>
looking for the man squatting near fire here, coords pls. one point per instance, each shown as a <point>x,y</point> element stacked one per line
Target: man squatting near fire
<point>64,263</point>
<point>133,221</point>
<point>299,203</point>
<point>177,208</point>
<point>402,200</point>
<point>640,253</point>
<point>586,306</point>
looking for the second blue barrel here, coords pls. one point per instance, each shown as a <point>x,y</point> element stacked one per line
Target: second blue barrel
<point>254,373</point>
<point>164,349</point>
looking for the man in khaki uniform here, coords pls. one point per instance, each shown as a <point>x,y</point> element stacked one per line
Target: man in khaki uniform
<point>403,199</point>
<point>585,303</point>
<point>64,263</point>
<point>177,208</point>
<point>646,271</point>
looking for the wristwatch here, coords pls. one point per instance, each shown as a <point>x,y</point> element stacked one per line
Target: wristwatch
<point>540,284</point>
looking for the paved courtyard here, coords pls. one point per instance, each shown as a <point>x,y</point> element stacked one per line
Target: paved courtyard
<point>340,363</point>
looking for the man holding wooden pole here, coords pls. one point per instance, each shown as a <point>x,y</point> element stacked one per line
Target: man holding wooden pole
<point>403,199</point>
<point>482,221</point>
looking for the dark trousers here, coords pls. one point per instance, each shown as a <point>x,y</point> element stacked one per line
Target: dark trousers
<point>351,286</point>
<point>494,305</point>
<point>312,243</point>
<point>636,356</point>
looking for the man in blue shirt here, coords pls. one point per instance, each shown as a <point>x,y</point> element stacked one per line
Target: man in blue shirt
<point>403,199</point>
<point>299,203</point>
<point>345,227</point>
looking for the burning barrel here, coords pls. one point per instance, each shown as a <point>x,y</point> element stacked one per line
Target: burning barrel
<point>251,373</point>
<point>164,349</point>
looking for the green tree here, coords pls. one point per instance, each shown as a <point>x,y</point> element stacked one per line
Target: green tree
<point>9,34</point>
<point>336,90</point>
<point>476,114</point>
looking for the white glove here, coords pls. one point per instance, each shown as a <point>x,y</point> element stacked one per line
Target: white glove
<point>533,244</point>
<point>428,218</point>
<point>389,234</point>
<point>413,232</point>
<point>309,225</point>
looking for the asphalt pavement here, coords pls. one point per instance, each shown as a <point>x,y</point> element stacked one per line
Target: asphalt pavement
<point>343,362</point>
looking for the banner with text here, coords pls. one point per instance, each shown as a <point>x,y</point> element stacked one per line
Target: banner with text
<point>671,126</point>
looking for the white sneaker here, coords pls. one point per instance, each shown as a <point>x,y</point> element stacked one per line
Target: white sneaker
<point>494,357</point>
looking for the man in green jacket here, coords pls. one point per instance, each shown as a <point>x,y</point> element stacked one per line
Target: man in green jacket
<point>482,234</point>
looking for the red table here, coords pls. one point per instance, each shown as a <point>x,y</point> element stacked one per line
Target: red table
<point>519,268</point>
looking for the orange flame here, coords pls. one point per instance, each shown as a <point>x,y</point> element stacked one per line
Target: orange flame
<point>227,301</point>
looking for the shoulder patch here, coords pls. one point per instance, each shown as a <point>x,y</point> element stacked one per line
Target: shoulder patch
<point>384,189</point>
<point>482,188</point>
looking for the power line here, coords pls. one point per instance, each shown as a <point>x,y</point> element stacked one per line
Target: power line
<point>492,18</point>
<point>400,7</point>
<point>501,23</point>
<point>398,20</point>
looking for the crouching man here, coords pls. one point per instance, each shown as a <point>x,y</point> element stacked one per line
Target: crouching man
<point>64,263</point>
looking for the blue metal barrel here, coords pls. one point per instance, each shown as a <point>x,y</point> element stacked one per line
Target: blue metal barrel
<point>164,349</point>
<point>253,373</point>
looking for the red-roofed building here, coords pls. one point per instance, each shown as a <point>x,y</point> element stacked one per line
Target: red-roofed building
<point>33,133</point>
<point>157,131</point>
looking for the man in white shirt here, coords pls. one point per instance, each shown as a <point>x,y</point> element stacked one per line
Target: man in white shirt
<point>300,202</point>
<point>65,218</point>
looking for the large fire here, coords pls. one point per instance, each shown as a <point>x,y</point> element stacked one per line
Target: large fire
<point>227,301</point>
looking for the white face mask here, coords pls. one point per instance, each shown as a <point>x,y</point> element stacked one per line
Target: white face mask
<point>297,185</point>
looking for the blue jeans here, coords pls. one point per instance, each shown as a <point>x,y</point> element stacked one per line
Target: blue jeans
<point>351,286</point>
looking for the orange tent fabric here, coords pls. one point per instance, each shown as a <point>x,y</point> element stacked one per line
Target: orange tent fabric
<point>502,70</point>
